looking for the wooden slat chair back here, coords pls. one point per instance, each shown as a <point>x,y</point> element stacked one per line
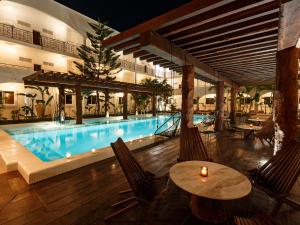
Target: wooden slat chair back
<point>138,179</point>
<point>277,176</point>
<point>144,185</point>
<point>281,171</point>
<point>192,146</point>
<point>267,132</point>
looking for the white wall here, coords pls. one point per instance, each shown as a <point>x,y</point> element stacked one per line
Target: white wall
<point>11,12</point>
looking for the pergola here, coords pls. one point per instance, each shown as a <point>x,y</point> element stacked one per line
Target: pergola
<point>65,80</point>
<point>247,42</point>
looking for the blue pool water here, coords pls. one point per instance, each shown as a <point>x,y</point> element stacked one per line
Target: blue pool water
<point>50,141</point>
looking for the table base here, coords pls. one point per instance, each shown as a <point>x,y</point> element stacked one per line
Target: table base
<point>208,209</point>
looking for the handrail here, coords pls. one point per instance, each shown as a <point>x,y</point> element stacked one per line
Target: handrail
<point>171,129</point>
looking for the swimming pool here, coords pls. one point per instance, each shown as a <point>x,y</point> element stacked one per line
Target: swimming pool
<point>50,141</point>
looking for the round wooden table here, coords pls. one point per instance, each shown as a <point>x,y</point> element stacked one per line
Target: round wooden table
<point>222,183</point>
<point>248,129</point>
<point>257,121</point>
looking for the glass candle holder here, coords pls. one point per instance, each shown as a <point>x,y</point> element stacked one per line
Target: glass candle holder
<point>204,171</point>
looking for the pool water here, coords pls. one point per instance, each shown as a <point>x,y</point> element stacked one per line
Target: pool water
<point>50,141</point>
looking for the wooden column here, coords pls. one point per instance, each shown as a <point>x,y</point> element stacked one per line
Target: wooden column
<point>153,105</point>
<point>232,105</point>
<point>187,105</point>
<point>61,99</point>
<point>219,106</point>
<point>125,111</point>
<point>78,105</point>
<point>286,97</point>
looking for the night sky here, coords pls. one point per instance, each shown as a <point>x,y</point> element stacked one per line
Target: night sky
<point>122,14</point>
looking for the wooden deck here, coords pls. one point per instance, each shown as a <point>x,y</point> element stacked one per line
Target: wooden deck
<point>84,196</point>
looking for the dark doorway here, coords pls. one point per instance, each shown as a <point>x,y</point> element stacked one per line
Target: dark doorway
<point>36,37</point>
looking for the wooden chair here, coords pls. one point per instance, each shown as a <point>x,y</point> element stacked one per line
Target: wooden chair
<point>192,146</point>
<point>277,176</point>
<point>267,132</point>
<point>145,186</point>
<point>260,219</point>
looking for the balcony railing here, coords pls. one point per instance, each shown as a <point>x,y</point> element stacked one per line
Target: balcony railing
<point>48,43</point>
<point>15,33</point>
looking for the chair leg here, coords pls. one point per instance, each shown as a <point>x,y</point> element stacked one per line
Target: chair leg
<point>108,218</point>
<point>123,201</point>
<point>276,208</point>
<point>125,191</point>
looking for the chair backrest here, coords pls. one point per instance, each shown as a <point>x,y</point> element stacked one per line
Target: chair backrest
<point>281,172</point>
<point>192,146</point>
<point>268,129</point>
<point>137,177</point>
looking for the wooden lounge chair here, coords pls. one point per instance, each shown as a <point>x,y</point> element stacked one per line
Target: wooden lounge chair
<point>277,176</point>
<point>145,186</point>
<point>257,220</point>
<point>267,132</point>
<point>191,146</point>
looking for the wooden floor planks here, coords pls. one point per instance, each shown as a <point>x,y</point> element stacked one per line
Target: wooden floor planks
<point>84,196</point>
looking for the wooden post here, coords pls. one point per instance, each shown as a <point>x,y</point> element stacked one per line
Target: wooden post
<point>78,105</point>
<point>125,111</point>
<point>232,105</point>
<point>219,106</point>
<point>286,97</point>
<point>187,105</point>
<point>153,105</point>
<point>61,100</point>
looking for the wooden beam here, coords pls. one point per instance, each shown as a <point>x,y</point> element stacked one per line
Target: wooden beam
<point>239,28</point>
<point>78,105</point>
<point>289,28</point>
<point>243,39</point>
<point>227,8</point>
<point>140,54</point>
<point>232,105</point>
<point>125,102</point>
<point>172,16</point>
<point>286,97</point>
<point>205,25</point>
<point>131,50</point>
<point>187,105</point>
<point>254,46</point>
<point>219,106</point>
<point>232,35</point>
<point>157,45</point>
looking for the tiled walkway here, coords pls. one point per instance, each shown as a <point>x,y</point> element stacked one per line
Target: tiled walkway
<point>84,196</point>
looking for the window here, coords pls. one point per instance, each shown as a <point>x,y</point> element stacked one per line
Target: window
<point>7,97</point>
<point>68,99</point>
<point>91,99</point>
<point>210,101</point>
<point>37,67</point>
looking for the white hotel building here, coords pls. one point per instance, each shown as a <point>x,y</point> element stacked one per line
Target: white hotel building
<point>37,35</point>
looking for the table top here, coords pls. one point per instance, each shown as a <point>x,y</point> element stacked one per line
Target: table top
<point>257,120</point>
<point>248,127</point>
<point>222,182</point>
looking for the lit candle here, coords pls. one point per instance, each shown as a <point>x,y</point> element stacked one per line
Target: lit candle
<point>251,125</point>
<point>93,150</point>
<point>204,171</point>
<point>68,155</point>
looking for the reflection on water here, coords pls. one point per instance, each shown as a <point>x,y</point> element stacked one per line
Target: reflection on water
<point>50,142</point>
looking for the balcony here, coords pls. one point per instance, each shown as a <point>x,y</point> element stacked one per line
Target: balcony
<point>48,43</point>
<point>35,38</point>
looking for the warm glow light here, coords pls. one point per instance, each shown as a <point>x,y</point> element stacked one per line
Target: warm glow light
<point>68,155</point>
<point>204,171</point>
<point>251,125</point>
<point>120,132</point>
<point>93,150</point>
